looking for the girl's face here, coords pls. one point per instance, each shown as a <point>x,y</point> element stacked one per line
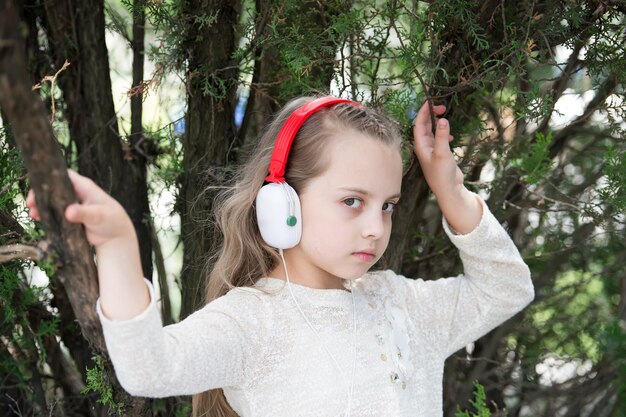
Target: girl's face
<point>346,212</point>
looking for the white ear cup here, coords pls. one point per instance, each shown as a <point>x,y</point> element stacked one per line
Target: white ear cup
<point>278,215</point>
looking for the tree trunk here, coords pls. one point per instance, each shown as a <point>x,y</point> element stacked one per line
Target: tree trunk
<point>76,32</point>
<point>49,179</point>
<point>209,131</point>
<point>69,250</point>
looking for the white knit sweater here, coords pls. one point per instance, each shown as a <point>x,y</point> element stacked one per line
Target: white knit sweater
<point>259,349</point>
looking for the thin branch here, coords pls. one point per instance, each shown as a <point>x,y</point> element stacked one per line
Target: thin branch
<point>52,79</point>
<point>21,251</point>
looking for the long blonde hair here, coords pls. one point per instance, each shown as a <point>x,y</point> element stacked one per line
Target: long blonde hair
<point>244,257</point>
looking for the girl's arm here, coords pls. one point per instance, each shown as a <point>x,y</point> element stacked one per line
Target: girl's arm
<point>449,313</point>
<point>123,293</point>
<point>496,282</point>
<point>204,351</point>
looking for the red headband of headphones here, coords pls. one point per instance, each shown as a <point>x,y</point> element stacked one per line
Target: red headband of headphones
<point>288,133</point>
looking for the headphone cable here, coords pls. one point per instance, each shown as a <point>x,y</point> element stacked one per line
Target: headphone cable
<point>350,388</point>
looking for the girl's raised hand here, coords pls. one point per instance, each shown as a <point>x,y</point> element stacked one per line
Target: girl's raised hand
<point>459,206</point>
<point>433,152</point>
<point>105,219</point>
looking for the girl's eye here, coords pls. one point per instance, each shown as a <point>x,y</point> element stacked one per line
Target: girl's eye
<point>357,202</point>
<point>388,207</point>
<point>353,202</point>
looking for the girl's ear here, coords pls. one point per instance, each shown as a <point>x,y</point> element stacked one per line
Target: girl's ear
<point>279,215</point>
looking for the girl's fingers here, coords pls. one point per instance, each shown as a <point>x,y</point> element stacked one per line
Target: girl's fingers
<point>32,206</point>
<point>86,189</point>
<point>442,137</point>
<point>423,122</point>
<point>30,198</point>
<point>72,213</point>
<point>86,214</point>
<point>87,192</point>
<point>439,109</point>
<point>34,213</point>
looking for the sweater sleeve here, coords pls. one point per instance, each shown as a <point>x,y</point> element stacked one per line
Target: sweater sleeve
<point>206,350</point>
<point>495,285</point>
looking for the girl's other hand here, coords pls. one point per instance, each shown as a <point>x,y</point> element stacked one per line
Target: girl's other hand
<point>105,219</point>
<point>433,152</point>
<point>460,207</point>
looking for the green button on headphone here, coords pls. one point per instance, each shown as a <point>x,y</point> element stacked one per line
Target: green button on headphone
<point>291,221</point>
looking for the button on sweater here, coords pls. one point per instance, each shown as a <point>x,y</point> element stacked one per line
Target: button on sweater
<point>254,343</point>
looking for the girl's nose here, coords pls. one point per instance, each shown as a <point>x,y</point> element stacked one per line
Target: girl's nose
<point>374,224</point>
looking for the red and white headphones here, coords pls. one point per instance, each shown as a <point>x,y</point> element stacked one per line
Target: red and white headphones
<point>277,205</point>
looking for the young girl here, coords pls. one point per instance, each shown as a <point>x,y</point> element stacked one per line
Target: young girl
<point>308,329</point>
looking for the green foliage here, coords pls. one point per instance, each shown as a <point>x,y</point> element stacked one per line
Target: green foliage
<point>118,22</point>
<point>533,104</point>
<point>400,105</point>
<point>16,300</point>
<point>97,383</point>
<point>614,192</point>
<point>479,403</point>
<point>613,341</point>
<point>11,166</point>
<point>579,297</point>
<point>206,20</point>
<point>169,160</point>
<point>459,15</point>
<point>304,41</point>
<point>170,23</point>
<point>534,164</point>
<point>426,245</point>
<point>182,408</point>
<point>183,411</point>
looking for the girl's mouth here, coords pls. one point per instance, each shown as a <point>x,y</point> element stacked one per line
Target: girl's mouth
<point>364,256</point>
